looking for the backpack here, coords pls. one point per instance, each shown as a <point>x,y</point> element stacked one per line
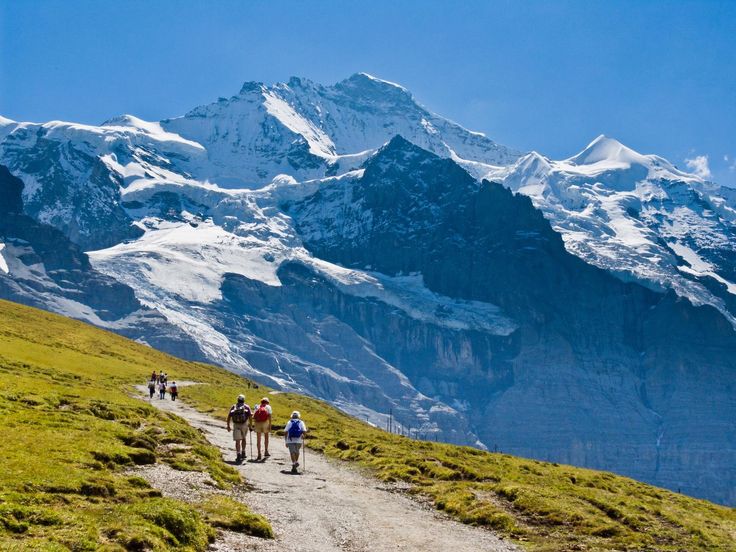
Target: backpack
<point>241,413</point>
<point>295,430</point>
<point>261,414</point>
<point>152,385</point>
<point>173,389</point>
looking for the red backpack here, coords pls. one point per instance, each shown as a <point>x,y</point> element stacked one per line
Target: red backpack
<point>261,414</point>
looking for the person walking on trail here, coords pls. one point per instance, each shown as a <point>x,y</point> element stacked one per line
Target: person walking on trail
<point>151,387</point>
<point>173,391</point>
<point>294,432</point>
<point>154,377</point>
<point>262,425</point>
<point>240,415</point>
<point>160,376</point>
<point>161,390</point>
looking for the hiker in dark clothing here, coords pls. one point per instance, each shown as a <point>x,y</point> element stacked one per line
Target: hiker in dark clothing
<point>154,377</point>
<point>151,387</point>
<point>173,391</point>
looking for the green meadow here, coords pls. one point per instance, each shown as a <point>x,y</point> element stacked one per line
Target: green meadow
<point>72,430</point>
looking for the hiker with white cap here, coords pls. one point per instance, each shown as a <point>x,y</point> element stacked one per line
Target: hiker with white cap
<point>294,432</point>
<point>240,415</point>
<point>262,425</point>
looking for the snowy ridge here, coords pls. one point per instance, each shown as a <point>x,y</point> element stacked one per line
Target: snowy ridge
<point>637,216</point>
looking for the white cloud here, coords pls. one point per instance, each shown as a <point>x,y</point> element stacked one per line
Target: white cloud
<point>699,166</point>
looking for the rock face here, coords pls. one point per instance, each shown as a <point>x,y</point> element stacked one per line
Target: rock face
<point>641,372</point>
<point>577,310</point>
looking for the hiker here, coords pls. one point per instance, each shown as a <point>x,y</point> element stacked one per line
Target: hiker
<point>152,387</point>
<point>154,379</point>
<point>173,391</point>
<point>240,415</point>
<point>294,436</point>
<point>262,425</point>
<point>165,378</point>
<point>160,376</point>
<point>161,390</point>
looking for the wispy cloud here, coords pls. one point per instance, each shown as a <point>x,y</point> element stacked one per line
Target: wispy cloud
<point>699,166</point>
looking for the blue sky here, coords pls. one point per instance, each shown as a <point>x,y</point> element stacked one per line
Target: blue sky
<point>549,76</point>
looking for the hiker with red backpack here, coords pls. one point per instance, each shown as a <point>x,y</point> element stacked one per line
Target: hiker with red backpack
<point>294,432</point>
<point>240,415</point>
<point>173,391</point>
<point>262,425</point>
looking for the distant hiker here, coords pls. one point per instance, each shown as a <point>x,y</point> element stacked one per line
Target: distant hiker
<point>294,436</point>
<point>165,379</point>
<point>162,390</point>
<point>160,376</point>
<point>262,425</point>
<point>152,387</point>
<point>154,378</point>
<point>240,415</point>
<point>173,391</point>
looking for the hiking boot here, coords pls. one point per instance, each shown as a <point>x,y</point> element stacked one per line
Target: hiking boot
<point>266,454</point>
<point>293,468</point>
<point>258,458</point>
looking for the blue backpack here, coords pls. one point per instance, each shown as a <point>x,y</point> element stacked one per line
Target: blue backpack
<point>295,429</point>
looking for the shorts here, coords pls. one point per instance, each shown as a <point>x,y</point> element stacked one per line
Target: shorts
<point>261,427</point>
<point>294,448</point>
<point>240,431</point>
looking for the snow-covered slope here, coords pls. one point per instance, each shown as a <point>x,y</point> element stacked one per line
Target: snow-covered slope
<point>637,216</point>
<point>309,130</point>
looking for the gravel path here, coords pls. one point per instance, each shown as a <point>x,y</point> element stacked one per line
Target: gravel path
<point>333,506</point>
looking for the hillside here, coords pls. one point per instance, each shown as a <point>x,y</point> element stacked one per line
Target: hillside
<point>71,429</point>
<point>71,433</point>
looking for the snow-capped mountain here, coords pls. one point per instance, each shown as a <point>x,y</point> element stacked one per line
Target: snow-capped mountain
<point>639,217</point>
<point>345,242</point>
<point>308,130</point>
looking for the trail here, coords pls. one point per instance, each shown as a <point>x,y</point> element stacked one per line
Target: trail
<point>332,506</point>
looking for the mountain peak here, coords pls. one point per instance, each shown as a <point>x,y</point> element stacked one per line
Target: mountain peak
<point>398,145</point>
<point>251,86</point>
<point>604,148</point>
<point>370,87</point>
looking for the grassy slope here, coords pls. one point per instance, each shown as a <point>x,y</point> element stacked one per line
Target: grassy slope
<point>48,362</point>
<point>70,430</point>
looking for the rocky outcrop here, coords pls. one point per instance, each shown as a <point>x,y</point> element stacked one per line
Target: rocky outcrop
<point>644,376</point>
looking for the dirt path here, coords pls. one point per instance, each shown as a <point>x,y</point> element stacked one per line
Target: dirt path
<point>333,506</point>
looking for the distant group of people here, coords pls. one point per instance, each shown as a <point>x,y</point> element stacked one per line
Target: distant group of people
<point>258,420</point>
<point>160,382</point>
